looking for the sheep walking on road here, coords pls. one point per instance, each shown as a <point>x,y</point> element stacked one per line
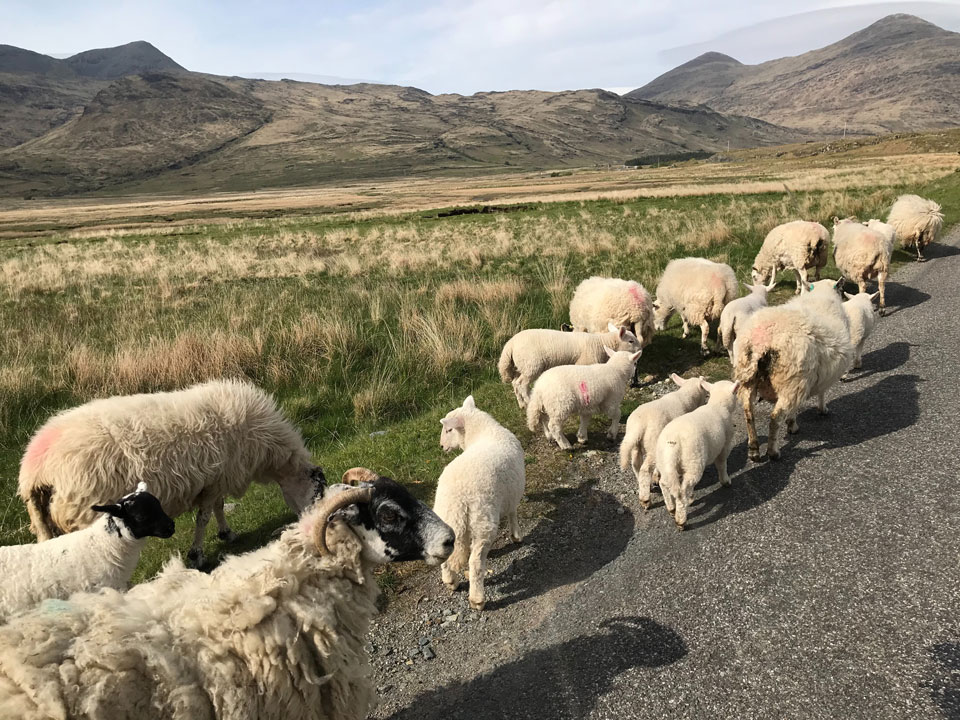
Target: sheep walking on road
<point>861,318</point>
<point>917,221</point>
<point>736,313</point>
<point>863,253</point>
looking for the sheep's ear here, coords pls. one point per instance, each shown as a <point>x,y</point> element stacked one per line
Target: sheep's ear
<point>469,403</point>
<point>847,295</point>
<point>748,287</point>
<point>612,328</point>
<point>677,379</point>
<point>111,509</point>
<point>706,386</point>
<point>875,296</point>
<point>455,422</point>
<point>636,356</point>
<point>610,353</point>
<point>841,281</point>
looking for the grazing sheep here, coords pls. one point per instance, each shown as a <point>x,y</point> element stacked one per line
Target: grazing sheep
<point>104,554</point>
<point>599,301</point>
<point>275,634</point>
<point>861,318</point>
<point>798,245</point>
<point>193,447</point>
<point>582,389</point>
<point>789,353</point>
<point>736,312</point>
<point>691,442</point>
<point>476,490</point>
<point>697,289</point>
<point>528,353</point>
<point>863,253</point>
<point>639,447</point>
<point>918,222</point>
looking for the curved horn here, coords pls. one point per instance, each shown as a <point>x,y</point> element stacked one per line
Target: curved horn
<point>329,507</point>
<point>358,475</point>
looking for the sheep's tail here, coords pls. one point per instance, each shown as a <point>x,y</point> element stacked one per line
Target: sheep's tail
<point>668,463</point>
<point>630,446</point>
<point>535,412</point>
<point>38,507</point>
<point>508,371</point>
<point>751,365</point>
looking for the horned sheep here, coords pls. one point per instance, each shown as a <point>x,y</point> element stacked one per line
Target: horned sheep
<point>799,245</point>
<point>697,289</point>
<point>277,633</point>
<point>476,490</point>
<point>736,312</point>
<point>601,301</point>
<point>528,353</point>
<point>193,447</point>
<point>863,253</point>
<point>917,220</point>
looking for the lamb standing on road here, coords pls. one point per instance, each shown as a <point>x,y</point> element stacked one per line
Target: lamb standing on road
<point>918,222</point>
<point>104,554</point>
<point>476,490</point>
<point>698,290</point>
<point>193,447</point>
<point>799,246</point>
<point>691,442</point>
<point>275,634</point>
<point>585,390</point>
<point>600,301</point>
<point>528,353</point>
<point>861,318</point>
<point>736,313</point>
<point>863,253</point>
<point>639,447</point>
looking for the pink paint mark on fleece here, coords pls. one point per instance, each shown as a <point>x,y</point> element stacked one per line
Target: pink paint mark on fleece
<point>39,446</point>
<point>634,292</point>
<point>761,335</point>
<point>584,393</point>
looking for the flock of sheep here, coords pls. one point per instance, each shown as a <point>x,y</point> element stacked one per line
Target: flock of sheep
<point>280,632</point>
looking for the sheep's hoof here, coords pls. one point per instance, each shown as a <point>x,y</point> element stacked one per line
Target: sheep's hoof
<point>478,606</point>
<point>824,411</point>
<point>883,312</point>
<point>705,352</point>
<point>846,378</point>
<point>581,440</point>
<point>516,540</point>
<point>452,587</point>
<point>195,558</point>
<point>793,429</point>
<point>681,527</point>
<point>921,259</point>
<point>645,504</point>
<point>227,536</point>
<point>774,455</point>
<point>754,455</point>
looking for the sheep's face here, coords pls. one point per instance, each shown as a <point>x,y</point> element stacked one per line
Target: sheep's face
<point>626,340</point>
<point>138,515</point>
<point>661,313</point>
<point>452,427</point>
<point>758,276</point>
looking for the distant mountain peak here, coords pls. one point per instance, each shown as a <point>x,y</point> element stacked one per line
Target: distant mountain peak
<point>712,57</point>
<point>115,62</point>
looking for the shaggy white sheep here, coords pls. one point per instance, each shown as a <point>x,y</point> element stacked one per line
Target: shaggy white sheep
<point>476,490</point>
<point>918,222</point>
<point>736,312</point>
<point>104,554</point>
<point>600,301</point>
<point>276,634</point>
<point>798,245</point>
<point>863,253</point>
<point>691,442</point>
<point>639,447</point>
<point>861,318</point>
<point>528,353</point>
<point>697,289</point>
<point>193,447</point>
<point>585,390</point>
<point>789,353</point>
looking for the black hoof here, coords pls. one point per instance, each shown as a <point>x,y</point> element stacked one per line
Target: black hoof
<point>195,558</point>
<point>227,535</point>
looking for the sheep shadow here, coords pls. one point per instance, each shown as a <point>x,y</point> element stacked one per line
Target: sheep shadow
<point>217,551</point>
<point>558,682</point>
<point>885,359</point>
<point>944,683</point>
<point>940,250</point>
<point>903,296</point>
<point>585,530</point>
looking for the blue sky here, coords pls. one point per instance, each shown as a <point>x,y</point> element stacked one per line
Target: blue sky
<point>460,46</point>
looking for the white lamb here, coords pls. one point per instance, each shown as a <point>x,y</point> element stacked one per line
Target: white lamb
<point>863,253</point>
<point>193,447</point>
<point>639,447</point>
<point>918,222</point>
<point>276,634</point>
<point>736,312</point>
<point>584,390</point>
<point>476,490</point>
<point>698,290</point>
<point>528,353</point>
<point>862,318</point>
<point>798,245</point>
<point>104,554</point>
<point>599,301</point>
<point>691,442</point>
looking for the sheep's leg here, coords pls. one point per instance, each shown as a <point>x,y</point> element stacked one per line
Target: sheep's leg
<point>644,473</point>
<point>920,243</point>
<point>816,273</point>
<point>882,282</point>
<point>704,336</point>
<point>792,426</point>
<point>224,531</point>
<point>555,431</point>
<point>584,427</point>
<point>450,570</point>
<point>521,388</point>
<point>684,499</point>
<point>668,498</point>
<point>514,526</point>
<point>748,399</point>
<point>858,360</point>
<point>773,451</point>
<point>802,283</point>
<point>195,555</point>
<point>862,285</point>
<point>686,327</point>
<point>721,465</point>
<point>612,411</point>
<point>478,571</point>
<point>822,404</point>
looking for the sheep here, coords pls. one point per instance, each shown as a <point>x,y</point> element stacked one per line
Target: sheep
<point>691,442</point>
<point>861,318</point>
<point>917,221</point>
<point>193,447</point>
<point>863,253</point>
<point>736,312</point>
<point>476,490</point>
<point>600,301</point>
<point>582,389</point>
<point>798,245</point>
<point>639,447</point>
<point>277,633</point>
<point>528,353</point>
<point>789,353</point>
<point>697,289</point>
<point>104,554</point>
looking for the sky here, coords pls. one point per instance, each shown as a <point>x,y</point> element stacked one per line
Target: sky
<point>461,46</point>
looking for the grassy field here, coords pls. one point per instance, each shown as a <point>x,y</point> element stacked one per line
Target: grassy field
<point>369,326</point>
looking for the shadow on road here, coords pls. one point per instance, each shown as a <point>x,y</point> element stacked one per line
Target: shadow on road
<point>902,297</point>
<point>885,359</point>
<point>939,250</point>
<point>584,531</point>
<point>562,681</point>
<point>944,685</point>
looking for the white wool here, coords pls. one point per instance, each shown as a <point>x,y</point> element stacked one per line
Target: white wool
<point>691,442</point>
<point>528,353</point>
<point>863,253</point>
<point>798,245</point>
<point>639,447</point>
<point>736,312</point>
<point>584,390</point>
<point>862,318</point>
<point>476,490</point>
<point>599,301</point>
<point>917,221</point>
<point>697,289</point>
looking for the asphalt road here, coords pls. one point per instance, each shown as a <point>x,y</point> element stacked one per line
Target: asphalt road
<point>825,585</point>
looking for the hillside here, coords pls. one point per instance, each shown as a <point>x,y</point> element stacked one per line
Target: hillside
<point>899,74</point>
